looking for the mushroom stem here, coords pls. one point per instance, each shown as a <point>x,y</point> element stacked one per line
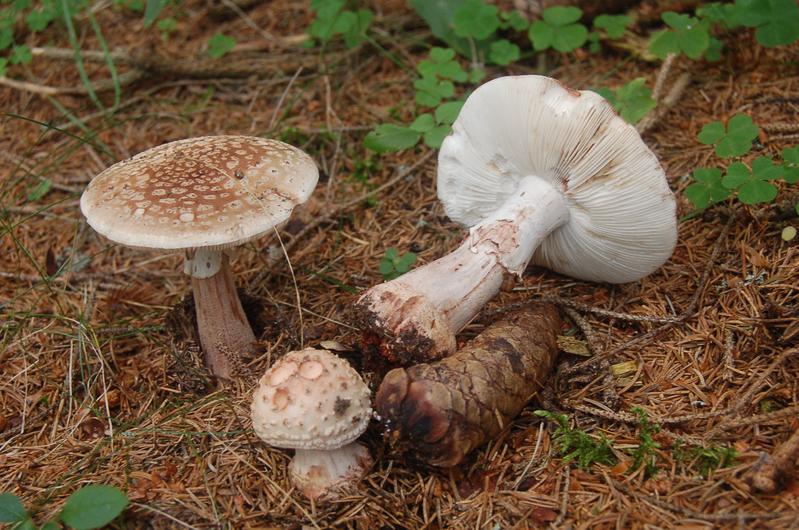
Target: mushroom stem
<point>224,330</point>
<point>324,474</point>
<point>415,317</point>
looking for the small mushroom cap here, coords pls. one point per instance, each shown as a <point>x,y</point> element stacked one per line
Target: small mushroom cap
<point>622,224</point>
<point>208,192</point>
<point>310,399</point>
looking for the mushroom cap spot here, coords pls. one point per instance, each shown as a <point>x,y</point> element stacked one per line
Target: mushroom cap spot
<point>218,192</point>
<point>311,370</point>
<point>622,224</point>
<point>298,403</point>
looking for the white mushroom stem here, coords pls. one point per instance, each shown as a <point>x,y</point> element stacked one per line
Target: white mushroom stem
<point>416,316</point>
<point>224,330</point>
<point>325,474</point>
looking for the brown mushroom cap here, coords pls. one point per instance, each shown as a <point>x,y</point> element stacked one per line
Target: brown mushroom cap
<point>208,192</point>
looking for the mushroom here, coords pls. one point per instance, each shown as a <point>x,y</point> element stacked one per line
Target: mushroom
<point>315,402</point>
<point>202,196</point>
<point>541,174</point>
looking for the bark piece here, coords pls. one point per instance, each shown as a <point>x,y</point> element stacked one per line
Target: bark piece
<point>774,470</point>
<point>444,410</point>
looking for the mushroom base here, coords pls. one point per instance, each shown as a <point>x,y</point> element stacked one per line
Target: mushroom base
<point>225,333</point>
<point>324,475</point>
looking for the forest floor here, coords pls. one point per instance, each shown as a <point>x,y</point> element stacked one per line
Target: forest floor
<point>95,387</point>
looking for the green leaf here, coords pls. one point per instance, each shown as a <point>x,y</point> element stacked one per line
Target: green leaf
<point>442,55</point>
<point>356,33</point>
<point>734,140</point>
<point>40,190</point>
<point>476,19</point>
<point>790,167</point>
<point>220,44</point>
<point>562,16</point>
<point>503,52</point>
<point>6,38</point>
<point>477,75</point>
<point>11,509</point>
<point>93,506</point>
<point>737,174</point>
<point>388,137</point>
<point>3,63</point>
<point>707,188</point>
<point>153,9</point>
<point>713,52</point>
<point>763,168</point>
<point>405,262</point>
<point>51,525</point>
<point>20,54</point>
<point>430,91</point>
<point>614,25</point>
<point>39,19</point>
<point>558,30</point>
<point>514,20</point>
<point>435,136</point>
<point>447,112</point>
<point>634,100</point>
<point>327,13</point>
<point>688,35</point>
<point>541,35</point>
<point>439,16</point>
<point>423,123</point>
<point>777,21</point>
<point>442,64</point>
<point>757,192</point>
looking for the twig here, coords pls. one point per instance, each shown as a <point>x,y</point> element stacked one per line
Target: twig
<point>607,313</point>
<point>332,213</point>
<point>663,74</point>
<point>125,79</point>
<point>729,361</point>
<point>772,470</point>
<point>585,328</point>
<point>729,425</point>
<point>671,99</point>
<point>247,20</point>
<point>564,501</point>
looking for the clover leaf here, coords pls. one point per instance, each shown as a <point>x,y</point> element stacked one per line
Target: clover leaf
<point>632,101</point>
<point>687,35</point>
<point>20,54</point>
<point>430,90</point>
<point>752,186</point>
<point>559,29</point>
<point>735,140</point>
<point>777,21</point>
<point>614,25</point>
<point>388,137</point>
<point>476,19</point>
<point>503,52</point>
<point>707,188</point>
<point>514,20</point>
<point>220,44</point>
<point>790,166</point>
<point>392,265</point>
<point>442,63</point>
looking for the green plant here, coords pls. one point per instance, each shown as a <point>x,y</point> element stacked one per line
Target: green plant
<point>92,506</point>
<point>790,165</point>
<point>646,452</point>
<point>632,101</point>
<point>577,445</point>
<point>733,140</point>
<point>686,35</point>
<point>704,459</point>
<point>333,19</point>
<point>220,44</point>
<point>559,29</point>
<point>394,265</point>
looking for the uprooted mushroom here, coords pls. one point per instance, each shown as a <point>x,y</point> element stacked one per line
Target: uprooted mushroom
<point>542,174</point>
<point>316,403</point>
<point>202,196</point>
<point>443,410</point>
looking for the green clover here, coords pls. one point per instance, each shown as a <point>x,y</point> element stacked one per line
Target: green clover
<point>503,52</point>
<point>687,35</point>
<point>476,19</point>
<point>735,140</point>
<point>777,21</point>
<point>752,186</point>
<point>614,25</point>
<point>632,101</point>
<point>442,63</point>
<point>790,166</point>
<point>513,20</point>
<point>430,90</point>
<point>389,137</point>
<point>392,265</point>
<point>220,44</point>
<point>559,29</point>
<point>707,188</point>
<point>20,54</point>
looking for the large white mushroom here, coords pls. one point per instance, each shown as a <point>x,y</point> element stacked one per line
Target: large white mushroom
<point>315,402</point>
<point>541,174</point>
<point>201,196</point>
